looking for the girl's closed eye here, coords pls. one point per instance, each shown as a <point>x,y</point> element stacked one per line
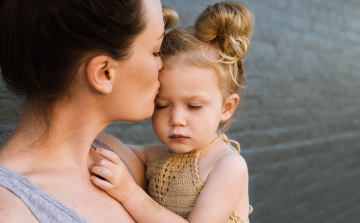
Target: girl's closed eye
<point>160,107</point>
<point>195,107</point>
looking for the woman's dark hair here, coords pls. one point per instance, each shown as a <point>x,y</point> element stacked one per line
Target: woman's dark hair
<point>42,42</point>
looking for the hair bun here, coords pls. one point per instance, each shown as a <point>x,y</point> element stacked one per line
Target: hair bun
<point>171,18</point>
<point>228,26</point>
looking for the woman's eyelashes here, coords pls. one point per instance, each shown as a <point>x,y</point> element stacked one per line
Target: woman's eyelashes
<point>156,54</point>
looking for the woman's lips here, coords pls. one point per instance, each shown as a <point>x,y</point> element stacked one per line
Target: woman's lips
<point>178,137</point>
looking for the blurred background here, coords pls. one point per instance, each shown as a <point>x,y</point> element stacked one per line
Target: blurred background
<point>299,128</point>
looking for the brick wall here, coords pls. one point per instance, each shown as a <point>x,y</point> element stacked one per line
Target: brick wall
<point>300,126</point>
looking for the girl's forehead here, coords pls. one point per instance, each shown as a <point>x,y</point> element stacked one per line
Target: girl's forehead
<point>202,57</point>
<point>187,71</point>
<point>189,81</point>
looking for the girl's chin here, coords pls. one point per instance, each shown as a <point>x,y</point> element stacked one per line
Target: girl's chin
<point>179,148</point>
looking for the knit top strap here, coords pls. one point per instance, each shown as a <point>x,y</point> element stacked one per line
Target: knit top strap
<point>226,140</point>
<point>208,146</point>
<point>229,141</point>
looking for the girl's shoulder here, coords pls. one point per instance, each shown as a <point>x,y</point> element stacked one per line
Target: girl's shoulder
<point>231,161</point>
<point>222,159</point>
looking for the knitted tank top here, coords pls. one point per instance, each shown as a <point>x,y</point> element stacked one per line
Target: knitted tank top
<point>174,180</point>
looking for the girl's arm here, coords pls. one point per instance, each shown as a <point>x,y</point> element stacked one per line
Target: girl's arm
<point>226,184</point>
<point>135,156</point>
<point>214,204</point>
<point>147,153</point>
<point>134,199</point>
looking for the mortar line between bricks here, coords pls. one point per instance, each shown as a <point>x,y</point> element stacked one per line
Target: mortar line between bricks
<point>302,143</point>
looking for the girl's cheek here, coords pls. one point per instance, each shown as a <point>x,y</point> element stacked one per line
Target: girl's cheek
<point>156,120</point>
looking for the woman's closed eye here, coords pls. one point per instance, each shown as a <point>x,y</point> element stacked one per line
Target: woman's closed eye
<point>156,54</point>
<point>195,107</point>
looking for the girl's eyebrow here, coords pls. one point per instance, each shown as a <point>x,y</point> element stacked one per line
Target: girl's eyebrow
<point>197,97</point>
<point>186,98</point>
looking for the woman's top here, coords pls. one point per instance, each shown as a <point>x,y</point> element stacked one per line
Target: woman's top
<point>44,206</point>
<point>174,180</point>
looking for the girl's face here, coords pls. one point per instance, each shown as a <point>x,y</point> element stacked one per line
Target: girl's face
<point>188,108</point>
<point>137,83</point>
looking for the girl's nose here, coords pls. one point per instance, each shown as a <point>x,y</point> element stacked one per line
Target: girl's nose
<point>177,117</point>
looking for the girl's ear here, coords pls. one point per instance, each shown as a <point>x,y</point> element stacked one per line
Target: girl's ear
<point>100,73</point>
<point>229,107</point>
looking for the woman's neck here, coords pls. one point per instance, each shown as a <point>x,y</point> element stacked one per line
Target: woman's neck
<point>65,142</point>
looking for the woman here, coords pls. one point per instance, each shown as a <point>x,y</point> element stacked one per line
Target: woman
<point>81,64</point>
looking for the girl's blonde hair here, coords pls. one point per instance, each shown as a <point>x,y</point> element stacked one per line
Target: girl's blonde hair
<point>170,16</point>
<point>219,39</point>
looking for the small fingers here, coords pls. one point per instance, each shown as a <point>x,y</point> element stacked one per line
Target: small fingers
<point>110,155</point>
<point>103,172</point>
<point>102,184</point>
<point>115,168</point>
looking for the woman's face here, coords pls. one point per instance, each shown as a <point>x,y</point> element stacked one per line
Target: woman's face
<point>137,84</point>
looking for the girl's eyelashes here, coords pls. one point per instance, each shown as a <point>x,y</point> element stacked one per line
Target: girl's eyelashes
<point>159,107</point>
<point>192,107</point>
<point>195,107</point>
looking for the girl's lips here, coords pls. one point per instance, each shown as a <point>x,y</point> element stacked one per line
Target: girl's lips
<point>178,138</point>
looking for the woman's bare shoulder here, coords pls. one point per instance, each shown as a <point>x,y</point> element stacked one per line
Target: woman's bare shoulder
<point>13,209</point>
<point>113,142</point>
<point>136,165</point>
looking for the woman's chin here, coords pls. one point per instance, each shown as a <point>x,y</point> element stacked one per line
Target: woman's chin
<point>141,116</point>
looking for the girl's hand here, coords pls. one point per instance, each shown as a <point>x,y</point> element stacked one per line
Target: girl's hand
<point>111,175</point>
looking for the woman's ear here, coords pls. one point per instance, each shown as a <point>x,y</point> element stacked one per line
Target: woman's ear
<point>229,107</point>
<point>100,73</point>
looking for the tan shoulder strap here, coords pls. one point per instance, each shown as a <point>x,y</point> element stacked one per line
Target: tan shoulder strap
<point>208,146</point>
<point>229,141</point>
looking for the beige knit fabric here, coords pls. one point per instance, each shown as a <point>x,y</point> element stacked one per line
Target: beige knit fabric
<point>174,180</point>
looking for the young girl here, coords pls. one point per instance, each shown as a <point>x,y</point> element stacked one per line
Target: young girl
<point>197,173</point>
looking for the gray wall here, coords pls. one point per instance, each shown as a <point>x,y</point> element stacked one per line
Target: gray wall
<point>300,126</point>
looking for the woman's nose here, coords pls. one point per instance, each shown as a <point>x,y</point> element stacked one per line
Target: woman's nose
<point>159,63</point>
<point>177,117</point>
